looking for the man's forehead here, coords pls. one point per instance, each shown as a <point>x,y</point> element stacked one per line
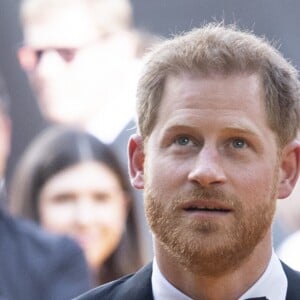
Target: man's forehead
<point>190,95</point>
<point>187,84</point>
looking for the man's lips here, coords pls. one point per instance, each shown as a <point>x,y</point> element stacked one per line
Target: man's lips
<point>206,206</point>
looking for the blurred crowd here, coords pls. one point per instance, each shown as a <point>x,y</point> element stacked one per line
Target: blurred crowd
<point>82,59</point>
<point>71,207</point>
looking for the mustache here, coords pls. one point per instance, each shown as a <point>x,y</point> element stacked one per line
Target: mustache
<point>198,193</point>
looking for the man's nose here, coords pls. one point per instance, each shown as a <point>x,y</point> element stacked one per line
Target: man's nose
<point>208,169</point>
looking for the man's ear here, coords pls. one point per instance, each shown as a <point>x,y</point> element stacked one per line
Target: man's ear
<point>289,169</point>
<point>136,158</point>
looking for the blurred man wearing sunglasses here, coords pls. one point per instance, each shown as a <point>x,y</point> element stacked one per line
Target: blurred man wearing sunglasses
<point>82,59</point>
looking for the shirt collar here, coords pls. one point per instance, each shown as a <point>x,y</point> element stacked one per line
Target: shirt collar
<point>162,288</point>
<point>272,284</point>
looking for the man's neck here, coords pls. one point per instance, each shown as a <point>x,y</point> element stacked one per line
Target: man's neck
<point>229,285</point>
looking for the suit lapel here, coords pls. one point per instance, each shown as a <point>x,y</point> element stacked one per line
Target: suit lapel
<point>293,277</point>
<point>138,286</point>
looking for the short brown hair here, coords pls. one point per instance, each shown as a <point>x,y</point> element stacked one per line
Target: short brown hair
<point>216,48</point>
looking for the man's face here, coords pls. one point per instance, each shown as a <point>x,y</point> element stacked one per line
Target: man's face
<point>76,67</point>
<point>211,171</point>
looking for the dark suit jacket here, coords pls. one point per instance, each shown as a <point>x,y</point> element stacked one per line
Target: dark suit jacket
<point>35,265</point>
<point>138,287</point>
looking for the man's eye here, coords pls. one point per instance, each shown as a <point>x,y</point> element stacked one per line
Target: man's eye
<point>239,143</point>
<point>182,140</point>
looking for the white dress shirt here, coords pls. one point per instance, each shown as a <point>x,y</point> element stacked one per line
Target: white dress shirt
<point>272,284</point>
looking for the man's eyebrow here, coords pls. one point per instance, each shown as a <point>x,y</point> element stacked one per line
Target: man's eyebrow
<point>242,129</point>
<point>182,127</point>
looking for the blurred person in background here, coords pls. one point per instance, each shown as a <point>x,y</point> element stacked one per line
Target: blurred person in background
<point>82,58</point>
<point>70,183</point>
<point>34,264</point>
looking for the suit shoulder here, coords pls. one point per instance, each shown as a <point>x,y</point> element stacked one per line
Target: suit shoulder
<point>106,290</point>
<point>25,236</point>
<point>290,272</point>
<point>135,286</point>
<point>293,278</point>
<point>45,264</point>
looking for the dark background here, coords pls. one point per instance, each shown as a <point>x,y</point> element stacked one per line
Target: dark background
<point>278,20</point>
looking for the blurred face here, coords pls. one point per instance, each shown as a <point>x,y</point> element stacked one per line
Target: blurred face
<point>73,68</point>
<point>87,203</point>
<point>211,173</point>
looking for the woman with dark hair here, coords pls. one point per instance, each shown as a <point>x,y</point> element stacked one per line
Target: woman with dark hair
<point>70,183</point>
